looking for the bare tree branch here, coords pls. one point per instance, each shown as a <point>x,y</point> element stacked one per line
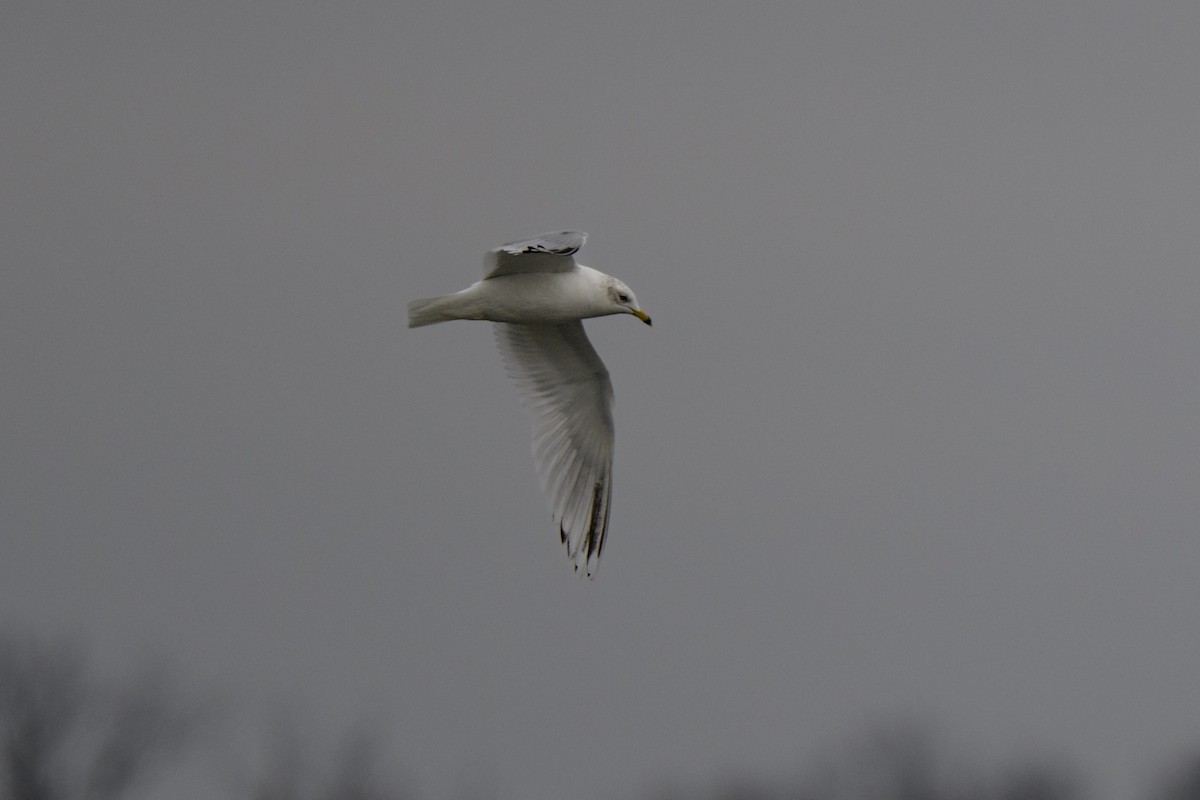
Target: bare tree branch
<point>65,735</point>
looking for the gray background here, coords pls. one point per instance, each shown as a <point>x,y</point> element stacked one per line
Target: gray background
<point>915,431</point>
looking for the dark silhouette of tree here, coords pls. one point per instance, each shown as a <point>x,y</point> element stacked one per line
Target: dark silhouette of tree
<point>900,762</point>
<point>1182,782</point>
<point>351,771</point>
<point>1039,781</point>
<point>65,734</point>
<point>41,701</point>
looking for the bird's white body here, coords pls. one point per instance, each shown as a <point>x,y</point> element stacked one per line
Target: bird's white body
<point>528,297</point>
<point>538,295</point>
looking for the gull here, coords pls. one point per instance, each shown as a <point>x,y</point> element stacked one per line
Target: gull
<point>537,294</point>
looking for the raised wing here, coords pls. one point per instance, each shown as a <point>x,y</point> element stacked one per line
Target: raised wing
<point>550,252</point>
<point>565,385</point>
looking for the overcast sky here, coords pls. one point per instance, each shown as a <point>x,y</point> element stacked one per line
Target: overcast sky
<point>915,430</point>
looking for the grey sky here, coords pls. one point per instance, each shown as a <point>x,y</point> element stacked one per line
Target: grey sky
<point>915,430</point>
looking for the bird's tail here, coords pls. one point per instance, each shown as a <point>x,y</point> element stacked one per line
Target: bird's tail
<point>429,310</point>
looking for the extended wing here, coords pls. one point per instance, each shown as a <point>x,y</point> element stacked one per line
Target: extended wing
<point>565,385</point>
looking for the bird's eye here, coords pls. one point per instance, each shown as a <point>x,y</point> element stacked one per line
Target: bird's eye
<point>622,297</point>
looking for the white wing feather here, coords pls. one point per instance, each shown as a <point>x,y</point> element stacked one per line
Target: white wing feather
<point>566,386</point>
<point>550,252</point>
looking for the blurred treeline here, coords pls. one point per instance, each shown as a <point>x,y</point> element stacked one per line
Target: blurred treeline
<point>66,733</point>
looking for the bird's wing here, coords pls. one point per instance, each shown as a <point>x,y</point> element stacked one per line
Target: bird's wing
<point>550,252</point>
<point>565,385</point>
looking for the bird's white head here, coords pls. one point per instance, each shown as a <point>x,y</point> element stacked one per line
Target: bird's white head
<point>624,302</point>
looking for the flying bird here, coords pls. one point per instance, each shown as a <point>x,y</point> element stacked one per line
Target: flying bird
<point>537,293</point>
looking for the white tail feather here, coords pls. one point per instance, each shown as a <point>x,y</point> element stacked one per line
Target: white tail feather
<point>428,311</point>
